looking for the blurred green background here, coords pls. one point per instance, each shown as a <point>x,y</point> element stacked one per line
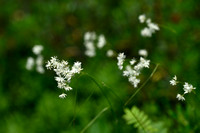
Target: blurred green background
<point>29,101</point>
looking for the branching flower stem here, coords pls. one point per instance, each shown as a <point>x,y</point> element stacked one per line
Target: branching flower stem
<point>154,70</point>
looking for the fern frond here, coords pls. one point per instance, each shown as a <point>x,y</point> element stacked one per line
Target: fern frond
<point>139,119</point>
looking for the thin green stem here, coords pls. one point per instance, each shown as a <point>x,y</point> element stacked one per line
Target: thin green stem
<point>127,102</point>
<point>93,120</point>
<point>79,109</point>
<point>101,91</point>
<point>110,89</point>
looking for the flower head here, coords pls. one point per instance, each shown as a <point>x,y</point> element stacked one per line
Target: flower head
<point>64,73</point>
<point>180,97</point>
<point>142,18</point>
<point>151,27</point>
<point>120,59</point>
<point>63,95</point>
<point>173,81</point>
<point>143,52</point>
<point>37,49</point>
<point>30,63</point>
<point>101,41</point>
<point>132,71</point>
<point>188,88</point>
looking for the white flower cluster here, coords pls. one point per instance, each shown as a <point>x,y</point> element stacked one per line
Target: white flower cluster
<point>132,71</point>
<point>63,72</point>
<point>89,41</point>
<point>37,49</point>
<point>120,58</point>
<point>151,27</point>
<point>186,87</point>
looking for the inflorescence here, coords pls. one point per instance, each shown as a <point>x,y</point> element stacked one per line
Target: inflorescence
<point>90,40</point>
<point>186,87</point>
<point>63,72</point>
<point>151,27</point>
<point>37,49</point>
<point>132,71</point>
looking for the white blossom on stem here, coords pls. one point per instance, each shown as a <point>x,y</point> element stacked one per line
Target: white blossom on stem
<point>121,57</point>
<point>180,97</point>
<point>63,72</point>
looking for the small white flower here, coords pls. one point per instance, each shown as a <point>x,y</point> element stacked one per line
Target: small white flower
<point>134,81</point>
<point>153,27</point>
<point>89,36</point>
<point>39,60</point>
<point>144,62</point>
<point>30,63</point>
<point>180,97</point>
<point>120,59</point>
<point>142,18</point>
<point>37,49</point>
<point>110,53</point>
<point>148,21</point>
<point>40,69</point>
<point>63,95</point>
<point>146,32</point>
<point>67,88</point>
<point>143,52</point>
<point>133,61</point>
<point>173,81</point>
<point>101,41</point>
<point>188,88</point>
<point>76,68</point>
<point>90,49</point>
<point>60,79</point>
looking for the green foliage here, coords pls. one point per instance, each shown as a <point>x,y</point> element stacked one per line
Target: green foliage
<point>29,101</point>
<point>141,121</point>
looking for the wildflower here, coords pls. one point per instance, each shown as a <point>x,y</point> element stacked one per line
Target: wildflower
<point>151,27</point>
<point>76,68</point>
<point>173,81</point>
<point>63,95</point>
<point>90,43</point>
<point>120,59</point>
<point>133,61</point>
<point>37,49</point>
<point>143,63</point>
<point>134,81</point>
<point>39,63</point>
<point>39,60</point>
<point>110,53</point>
<point>180,97</point>
<point>90,49</point>
<point>188,88</point>
<point>146,32</point>
<point>40,69</point>
<point>142,18</point>
<point>132,72</point>
<point>143,52</point>
<point>148,21</point>
<point>30,63</point>
<point>101,41</point>
<point>63,72</point>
